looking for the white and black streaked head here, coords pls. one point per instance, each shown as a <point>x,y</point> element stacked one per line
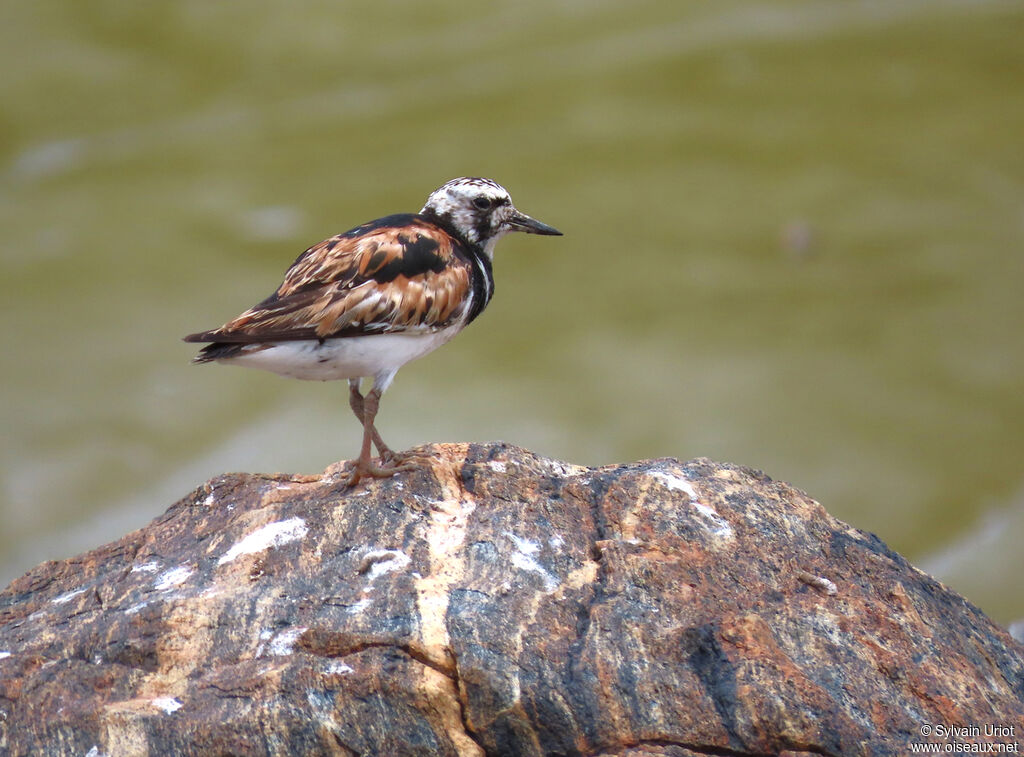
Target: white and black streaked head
<point>481,211</point>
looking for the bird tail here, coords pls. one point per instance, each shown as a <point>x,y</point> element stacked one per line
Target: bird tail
<point>217,351</point>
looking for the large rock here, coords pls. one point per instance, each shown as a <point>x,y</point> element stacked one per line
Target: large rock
<point>496,602</point>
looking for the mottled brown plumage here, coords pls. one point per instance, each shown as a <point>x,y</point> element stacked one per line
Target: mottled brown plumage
<point>402,273</point>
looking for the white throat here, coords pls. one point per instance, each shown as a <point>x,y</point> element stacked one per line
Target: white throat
<point>492,243</point>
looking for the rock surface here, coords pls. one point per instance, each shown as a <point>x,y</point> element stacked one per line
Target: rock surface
<point>495,602</point>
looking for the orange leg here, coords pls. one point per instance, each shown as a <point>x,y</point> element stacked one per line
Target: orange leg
<point>355,401</point>
<point>364,465</point>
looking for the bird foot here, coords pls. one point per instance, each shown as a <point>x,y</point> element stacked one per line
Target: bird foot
<point>368,469</point>
<point>390,457</point>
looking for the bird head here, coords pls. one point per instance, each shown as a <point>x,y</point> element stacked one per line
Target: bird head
<point>481,211</point>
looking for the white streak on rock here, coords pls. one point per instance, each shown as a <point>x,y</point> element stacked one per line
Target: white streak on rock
<point>676,482</point>
<point>149,567</point>
<point>383,561</point>
<point>65,598</point>
<point>715,523</point>
<point>171,578</point>
<point>170,705</point>
<point>564,469</point>
<point>284,643</point>
<point>338,668</point>
<point>270,535</point>
<point>4,655</point>
<point>265,636</point>
<point>321,702</point>
<point>719,525</point>
<point>523,559</point>
<point>526,546</point>
<point>497,466</point>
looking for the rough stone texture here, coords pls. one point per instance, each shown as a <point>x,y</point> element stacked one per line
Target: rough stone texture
<point>498,603</point>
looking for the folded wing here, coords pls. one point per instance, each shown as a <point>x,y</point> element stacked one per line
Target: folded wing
<point>397,274</point>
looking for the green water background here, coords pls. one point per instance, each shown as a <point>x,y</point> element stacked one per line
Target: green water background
<point>794,239</point>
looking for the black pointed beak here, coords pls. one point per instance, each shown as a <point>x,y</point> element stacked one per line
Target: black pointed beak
<point>523,222</point>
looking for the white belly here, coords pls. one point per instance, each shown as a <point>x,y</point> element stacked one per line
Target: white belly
<point>376,355</point>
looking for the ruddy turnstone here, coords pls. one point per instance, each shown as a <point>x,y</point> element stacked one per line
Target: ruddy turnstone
<point>364,303</point>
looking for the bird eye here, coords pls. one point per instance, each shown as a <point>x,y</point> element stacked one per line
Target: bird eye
<point>482,203</point>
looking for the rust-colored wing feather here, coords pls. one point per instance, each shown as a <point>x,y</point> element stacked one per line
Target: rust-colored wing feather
<point>397,274</point>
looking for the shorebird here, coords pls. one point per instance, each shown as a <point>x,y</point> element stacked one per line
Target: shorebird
<point>364,303</point>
